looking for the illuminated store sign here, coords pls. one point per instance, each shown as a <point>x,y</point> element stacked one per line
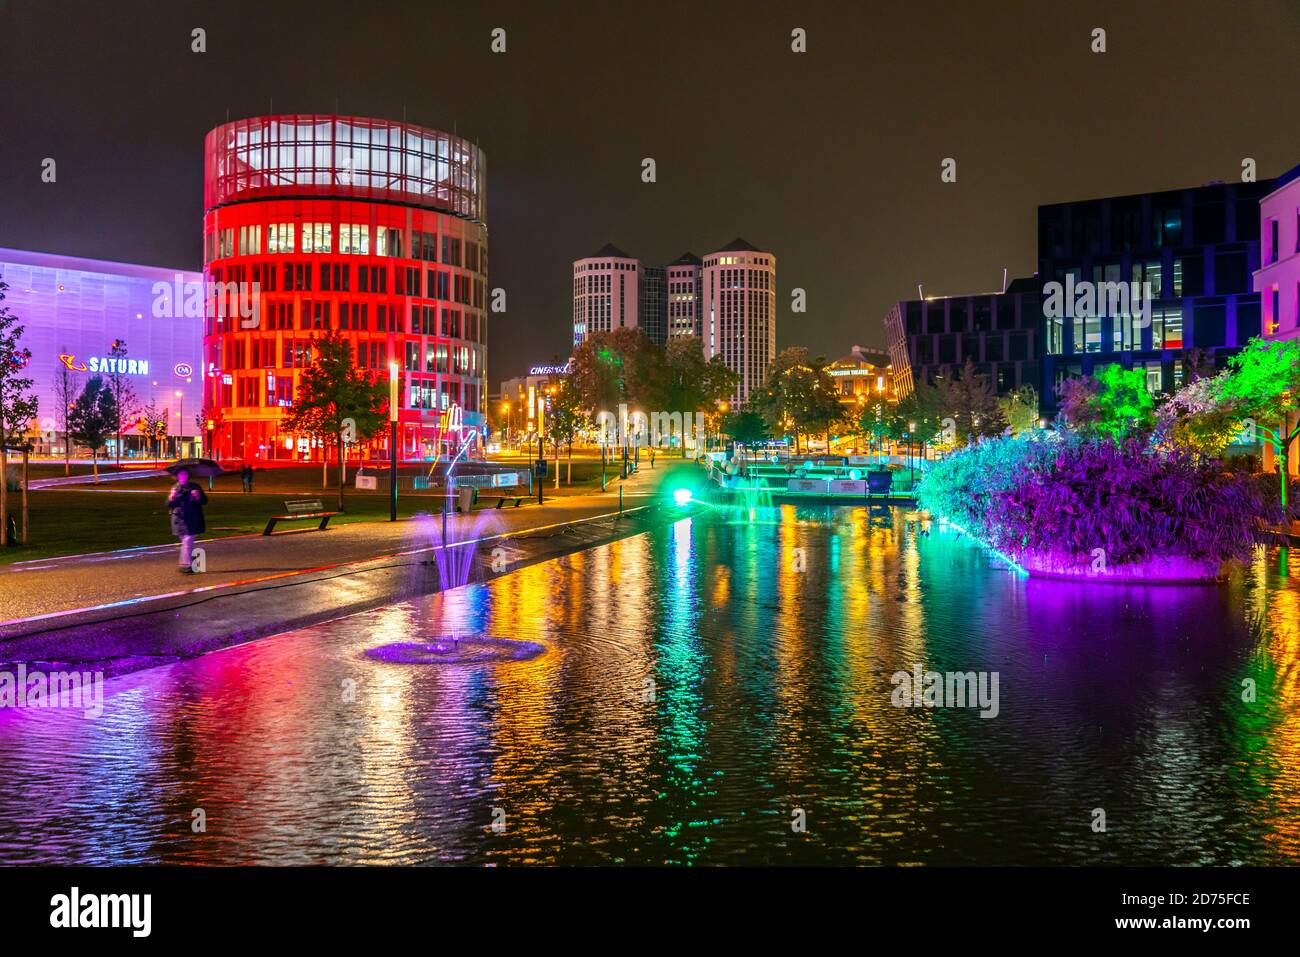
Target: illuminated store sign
<point>108,365</point>
<point>552,370</point>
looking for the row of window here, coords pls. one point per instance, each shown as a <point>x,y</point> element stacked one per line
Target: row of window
<point>347,239</point>
<point>441,357</point>
<point>338,277</point>
<point>277,391</point>
<point>1155,222</point>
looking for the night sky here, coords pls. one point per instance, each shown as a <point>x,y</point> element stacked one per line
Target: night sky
<point>829,159</point>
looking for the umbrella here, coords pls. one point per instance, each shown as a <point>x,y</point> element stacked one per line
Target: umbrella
<point>198,468</point>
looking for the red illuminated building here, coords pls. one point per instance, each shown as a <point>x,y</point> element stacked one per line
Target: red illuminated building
<point>371,228</point>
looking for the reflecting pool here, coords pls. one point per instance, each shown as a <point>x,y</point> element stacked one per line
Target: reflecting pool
<point>712,692</point>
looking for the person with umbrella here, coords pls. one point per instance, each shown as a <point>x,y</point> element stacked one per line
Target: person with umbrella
<point>186,503</point>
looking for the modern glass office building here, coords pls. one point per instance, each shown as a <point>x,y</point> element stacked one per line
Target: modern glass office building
<point>74,310</point>
<point>930,339</point>
<point>371,229</point>
<point>1196,248</point>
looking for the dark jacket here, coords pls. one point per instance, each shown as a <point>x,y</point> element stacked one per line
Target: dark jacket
<point>187,511</point>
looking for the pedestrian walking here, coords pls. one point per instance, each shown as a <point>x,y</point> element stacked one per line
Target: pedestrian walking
<point>186,506</point>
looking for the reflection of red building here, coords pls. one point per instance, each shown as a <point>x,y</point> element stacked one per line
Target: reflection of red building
<point>372,228</point>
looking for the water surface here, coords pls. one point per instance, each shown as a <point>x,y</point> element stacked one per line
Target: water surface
<point>702,687</point>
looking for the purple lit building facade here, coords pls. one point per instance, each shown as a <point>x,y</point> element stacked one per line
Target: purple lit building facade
<point>1277,281</point>
<point>73,310</point>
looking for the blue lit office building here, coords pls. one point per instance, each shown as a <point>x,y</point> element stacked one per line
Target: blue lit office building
<point>1197,248</point>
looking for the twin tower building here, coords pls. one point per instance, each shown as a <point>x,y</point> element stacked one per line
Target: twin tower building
<point>727,299</point>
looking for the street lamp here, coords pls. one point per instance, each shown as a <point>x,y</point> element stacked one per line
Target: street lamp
<point>911,462</point>
<point>180,437</point>
<point>392,441</point>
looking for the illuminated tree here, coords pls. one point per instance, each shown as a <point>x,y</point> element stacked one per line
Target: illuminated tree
<point>331,392</point>
<point>124,398</point>
<point>1020,409</point>
<point>153,425</point>
<point>972,403</point>
<point>1114,403</point>
<point>17,403</point>
<point>65,391</point>
<point>563,419</point>
<point>799,397</point>
<point>1263,385</point>
<point>622,365</point>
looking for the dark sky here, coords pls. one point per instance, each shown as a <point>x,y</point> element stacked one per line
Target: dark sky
<point>830,159</point>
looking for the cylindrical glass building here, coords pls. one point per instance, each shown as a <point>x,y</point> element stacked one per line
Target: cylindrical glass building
<point>373,229</point>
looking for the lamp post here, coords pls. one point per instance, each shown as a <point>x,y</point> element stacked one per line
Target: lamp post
<point>392,441</point>
<point>911,462</point>
<point>180,433</point>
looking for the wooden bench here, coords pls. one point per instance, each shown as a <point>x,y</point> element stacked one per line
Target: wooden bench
<point>502,499</point>
<point>302,508</point>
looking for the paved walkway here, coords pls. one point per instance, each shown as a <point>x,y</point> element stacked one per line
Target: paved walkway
<point>76,584</point>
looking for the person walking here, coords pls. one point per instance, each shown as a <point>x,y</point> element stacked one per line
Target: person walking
<point>186,506</point>
<point>246,476</point>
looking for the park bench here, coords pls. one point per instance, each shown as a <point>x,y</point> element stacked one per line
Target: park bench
<point>502,499</point>
<point>300,509</point>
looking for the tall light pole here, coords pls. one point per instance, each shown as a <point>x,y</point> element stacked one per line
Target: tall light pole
<point>392,441</point>
<point>180,435</point>
<point>911,462</point>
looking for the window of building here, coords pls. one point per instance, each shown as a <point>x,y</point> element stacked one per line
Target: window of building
<point>1230,272</point>
<point>388,241</point>
<point>1167,329</point>
<point>354,239</point>
<point>1166,225</point>
<point>250,240</point>
<point>316,238</point>
<point>279,238</point>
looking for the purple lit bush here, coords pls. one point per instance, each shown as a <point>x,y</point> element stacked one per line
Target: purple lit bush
<point>1154,514</point>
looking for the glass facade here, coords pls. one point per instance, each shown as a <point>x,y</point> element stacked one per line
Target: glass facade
<point>401,275</point>
<point>1194,248</point>
<point>345,156</point>
<point>74,309</point>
